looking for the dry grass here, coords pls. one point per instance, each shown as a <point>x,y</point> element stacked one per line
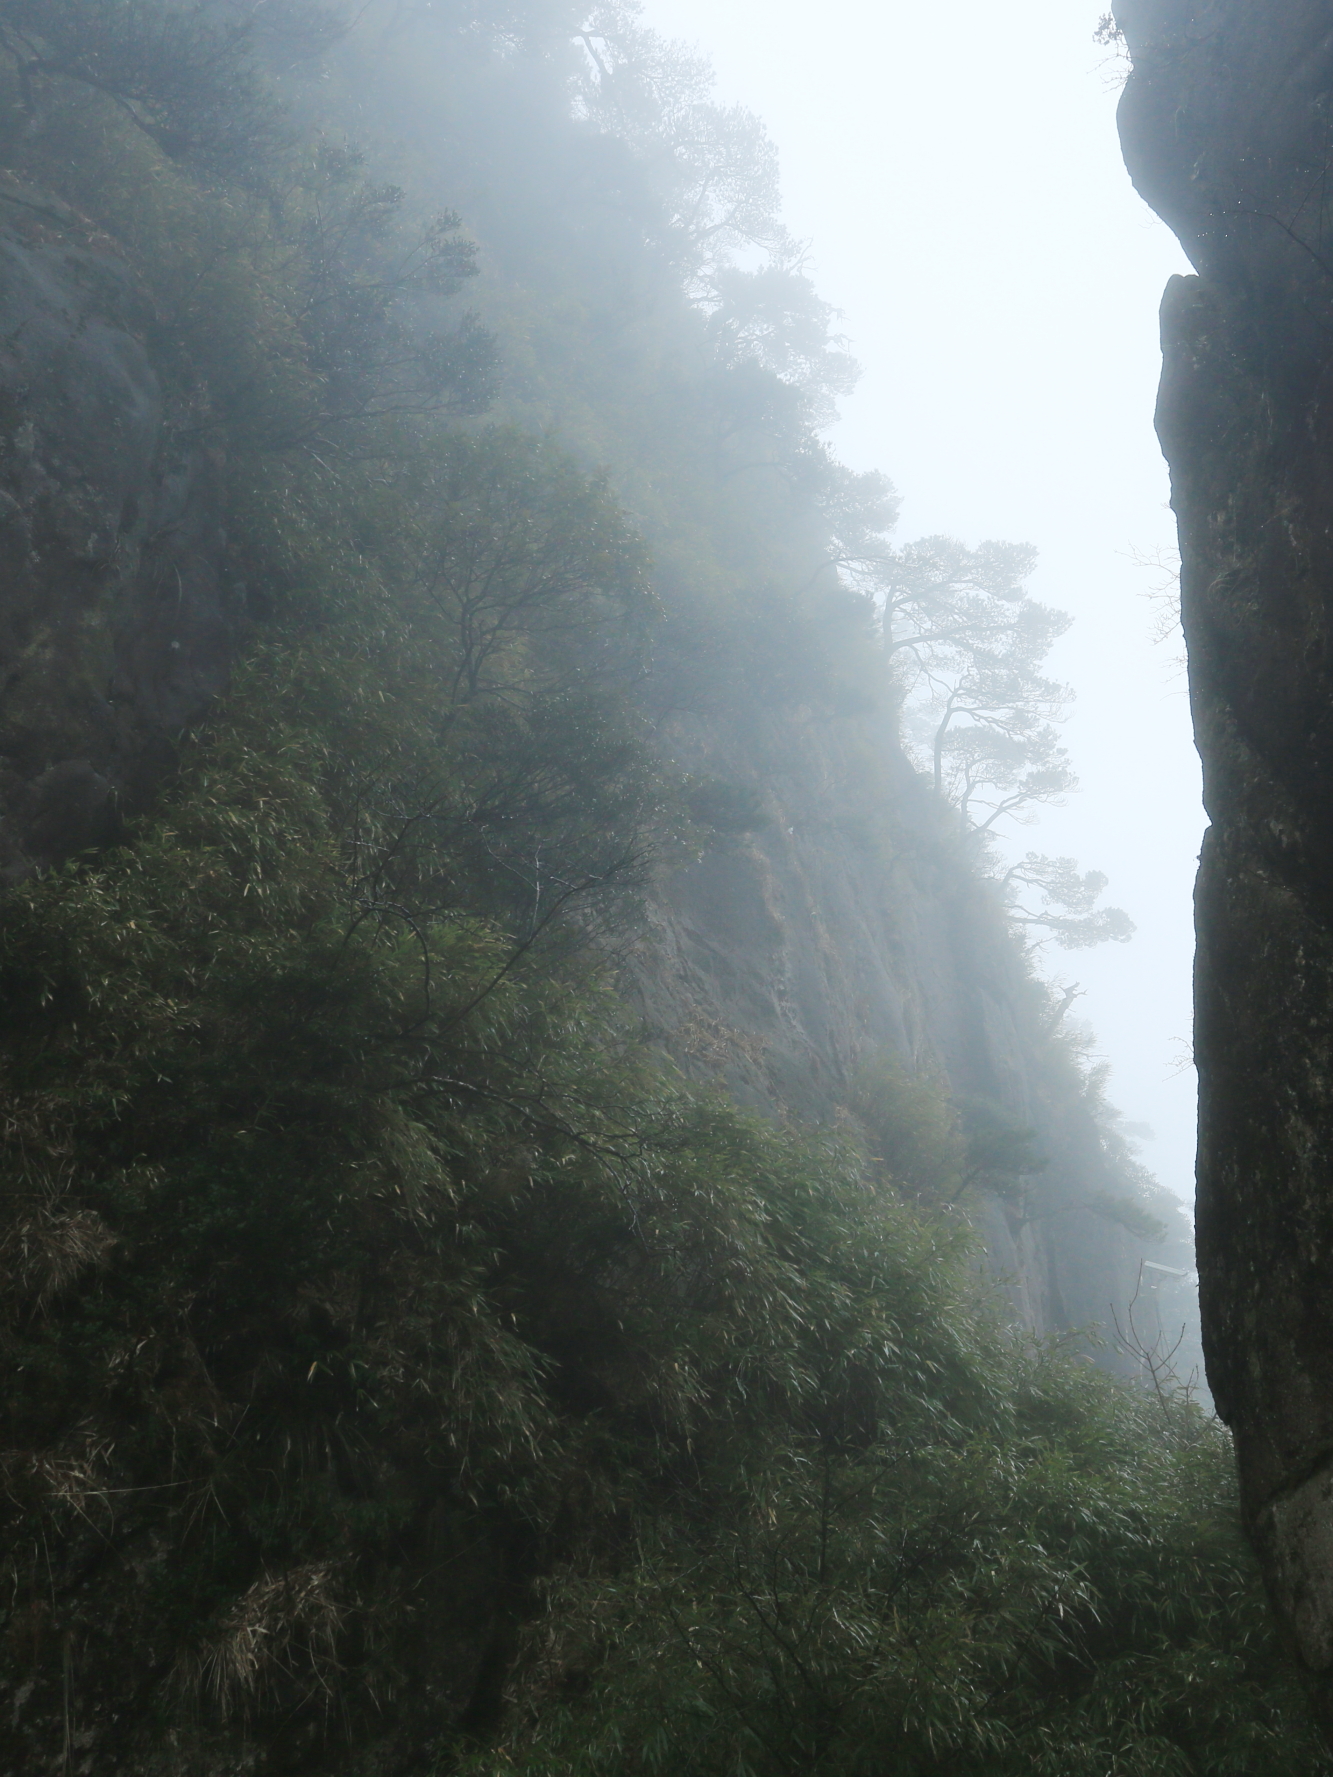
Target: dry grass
<point>47,1254</point>
<point>284,1629</point>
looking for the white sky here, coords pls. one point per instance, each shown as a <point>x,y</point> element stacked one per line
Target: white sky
<point>956,170</point>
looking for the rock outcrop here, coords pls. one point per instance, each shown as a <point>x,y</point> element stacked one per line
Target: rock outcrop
<point>115,627</point>
<point>1227,126</point>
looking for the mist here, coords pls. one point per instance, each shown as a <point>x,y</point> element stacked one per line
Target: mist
<point>594,1170</point>
<point>960,185</point>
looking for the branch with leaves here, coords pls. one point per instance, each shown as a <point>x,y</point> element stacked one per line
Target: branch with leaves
<point>1052,896</point>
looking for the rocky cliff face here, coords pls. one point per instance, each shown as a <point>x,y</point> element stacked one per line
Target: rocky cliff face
<point>115,629</point>
<point>850,927</point>
<point>1227,123</point>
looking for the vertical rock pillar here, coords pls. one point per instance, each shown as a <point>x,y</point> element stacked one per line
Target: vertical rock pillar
<point>1227,129</point>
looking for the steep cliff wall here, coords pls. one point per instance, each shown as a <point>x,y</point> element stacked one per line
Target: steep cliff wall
<point>852,926</point>
<point>1226,130</point>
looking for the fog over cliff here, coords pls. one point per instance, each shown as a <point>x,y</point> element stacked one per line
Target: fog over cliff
<point>961,186</point>
<point>550,1223</point>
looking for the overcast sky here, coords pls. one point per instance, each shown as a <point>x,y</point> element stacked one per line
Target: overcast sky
<point>957,172</point>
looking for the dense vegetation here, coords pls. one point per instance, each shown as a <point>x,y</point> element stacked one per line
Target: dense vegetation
<point>406,1370</point>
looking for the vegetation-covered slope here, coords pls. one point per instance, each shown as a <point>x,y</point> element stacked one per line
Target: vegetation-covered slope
<point>406,1367</point>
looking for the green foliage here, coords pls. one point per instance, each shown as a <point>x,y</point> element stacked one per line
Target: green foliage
<point>1033,1578</point>
<point>319,1223</point>
<point>1002,1155</point>
<point>182,71</point>
<point>403,1370</point>
<point>363,1266</point>
<point>287,314</point>
<point>331,1203</point>
<point>912,1128</point>
<point>716,169</point>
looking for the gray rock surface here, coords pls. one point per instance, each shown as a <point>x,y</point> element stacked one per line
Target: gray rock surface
<point>1226,125</point>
